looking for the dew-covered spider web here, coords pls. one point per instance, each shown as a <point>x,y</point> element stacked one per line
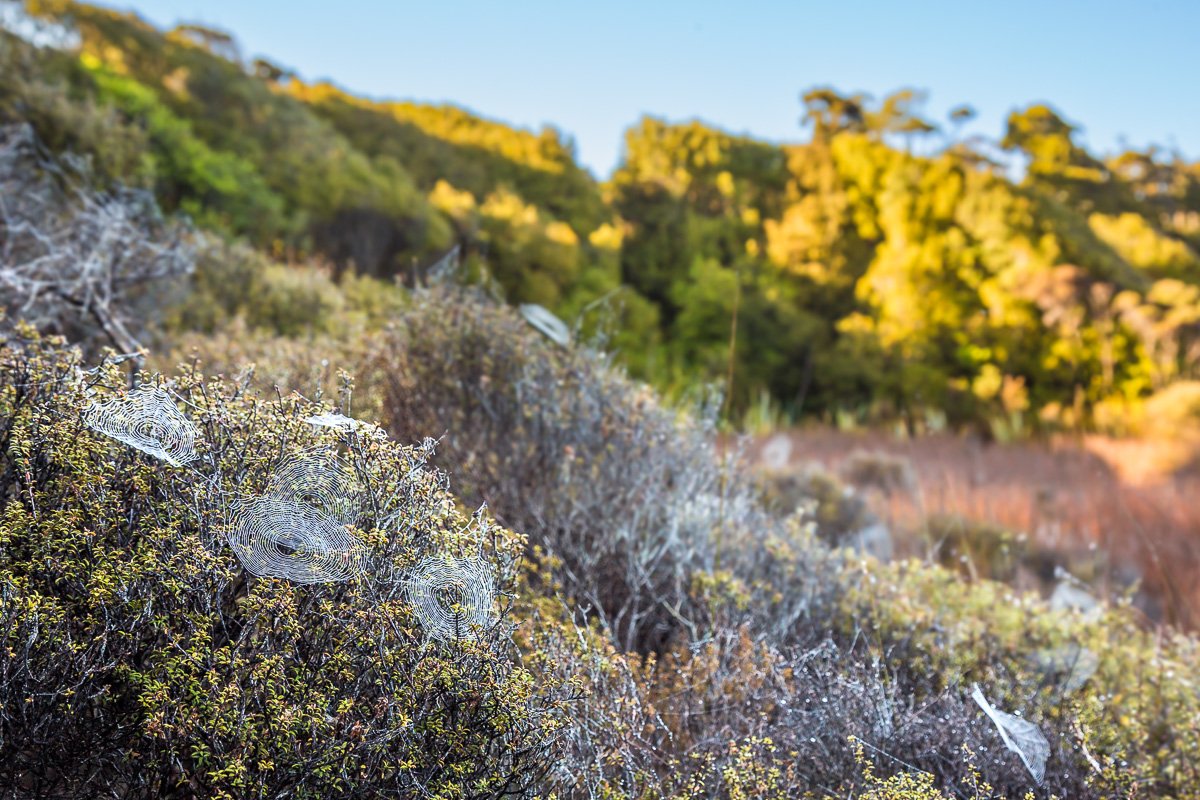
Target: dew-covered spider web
<point>274,537</point>
<point>146,419</point>
<point>334,419</point>
<point>1019,735</point>
<point>1071,664</point>
<point>320,481</point>
<point>299,529</point>
<point>451,596</point>
<point>444,269</point>
<point>546,323</point>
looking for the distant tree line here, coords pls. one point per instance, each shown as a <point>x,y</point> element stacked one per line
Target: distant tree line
<point>885,269</point>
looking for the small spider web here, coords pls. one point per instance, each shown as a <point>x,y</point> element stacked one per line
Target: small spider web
<point>546,323</point>
<point>334,419</point>
<point>451,596</point>
<point>1019,735</point>
<point>146,419</point>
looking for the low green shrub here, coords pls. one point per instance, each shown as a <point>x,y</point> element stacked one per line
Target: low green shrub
<point>1137,717</point>
<point>140,660</point>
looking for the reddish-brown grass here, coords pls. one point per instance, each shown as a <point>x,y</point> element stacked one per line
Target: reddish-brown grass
<point>1064,495</point>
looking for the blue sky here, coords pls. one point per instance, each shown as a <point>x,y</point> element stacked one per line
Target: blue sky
<point>1126,72</point>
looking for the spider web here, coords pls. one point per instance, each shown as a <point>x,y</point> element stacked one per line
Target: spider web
<point>299,529</point>
<point>338,421</point>
<point>451,596</point>
<point>335,420</point>
<point>1019,735</point>
<point>546,323</point>
<point>1073,665</point>
<point>275,537</point>
<point>146,419</point>
<point>322,482</point>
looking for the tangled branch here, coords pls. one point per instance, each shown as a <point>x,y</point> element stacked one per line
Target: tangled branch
<point>76,260</point>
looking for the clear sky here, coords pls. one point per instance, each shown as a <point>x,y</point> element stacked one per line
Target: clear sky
<point>1125,72</point>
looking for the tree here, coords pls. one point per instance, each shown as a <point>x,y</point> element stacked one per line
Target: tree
<point>830,112</point>
<point>219,43</point>
<point>899,115</point>
<point>959,116</point>
<point>1057,164</point>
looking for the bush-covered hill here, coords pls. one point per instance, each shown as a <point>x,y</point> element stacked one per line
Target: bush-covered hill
<point>881,270</point>
<point>664,635</point>
<point>657,629</point>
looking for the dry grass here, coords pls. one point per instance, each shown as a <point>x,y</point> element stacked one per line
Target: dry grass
<point>1100,508</point>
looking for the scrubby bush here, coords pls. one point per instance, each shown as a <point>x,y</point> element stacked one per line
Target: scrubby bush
<point>765,651</point>
<point>838,509</point>
<point>769,651</point>
<point>1135,721</point>
<point>140,660</point>
<point>719,717</point>
<point>38,88</point>
<point>628,493</point>
<point>879,471</point>
<point>232,282</point>
<point>985,550</point>
<point>727,653</point>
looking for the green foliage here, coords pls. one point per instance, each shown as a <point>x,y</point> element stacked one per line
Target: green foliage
<point>1145,247</point>
<point>218,190</point>
<point>876,274</point>
<point>41,87</point>
<point>903,284</point>
<point>228,145</point>
<point>446,143</point>
<point>235,283</point>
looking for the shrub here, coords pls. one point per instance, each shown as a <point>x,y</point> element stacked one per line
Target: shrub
<point>773,646</point>
<point>879,470</point>
<point>40,86</point>
<point>140,660</point>
<point>780,650</point>
<point>74,260</point>
<point>628,493</point>
<point>233,282</point>
<point>735,644</point>
<point>1137,717</point>
<point>266,362</point>
<point>984,550</point>
<point>838,510</point>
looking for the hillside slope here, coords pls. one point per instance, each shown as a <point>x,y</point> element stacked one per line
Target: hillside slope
<point>875,273</point>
